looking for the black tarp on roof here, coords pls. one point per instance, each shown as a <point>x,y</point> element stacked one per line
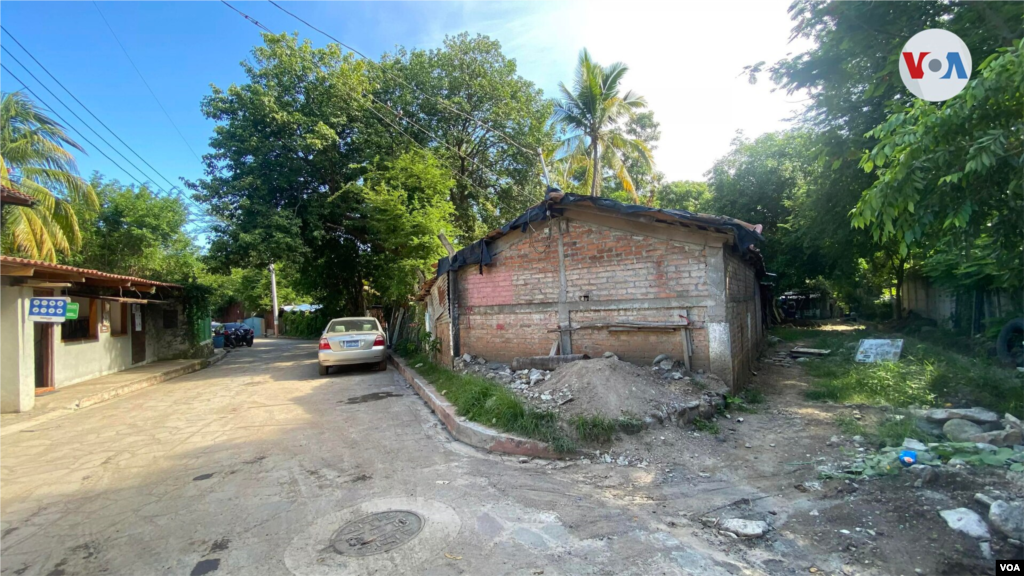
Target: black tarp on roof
<point>479,252</point>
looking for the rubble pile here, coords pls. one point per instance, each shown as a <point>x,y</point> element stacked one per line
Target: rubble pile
<point>665,393</point>
<point>971,425</point>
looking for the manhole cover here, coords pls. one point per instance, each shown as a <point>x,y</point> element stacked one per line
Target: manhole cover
<point>376,533</point>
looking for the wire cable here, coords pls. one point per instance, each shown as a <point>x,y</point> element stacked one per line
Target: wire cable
<point>75,114</point>
<point>69,125</point>
<point>143,78</point>
<point>102,123</point>
<point>247,17</point>
<point>404,83</point>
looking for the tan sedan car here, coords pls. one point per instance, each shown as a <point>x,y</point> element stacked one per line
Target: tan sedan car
<point>352,341</point>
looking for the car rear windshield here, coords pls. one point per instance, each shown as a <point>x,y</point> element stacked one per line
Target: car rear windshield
<point>232,325</point>
<point>352,325</point>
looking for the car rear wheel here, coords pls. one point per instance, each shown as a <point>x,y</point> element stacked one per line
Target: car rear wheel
<point>383,365</point>
<point>323,370</point>
<point>249,343</point>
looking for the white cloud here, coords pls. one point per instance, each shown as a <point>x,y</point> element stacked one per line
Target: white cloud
<point>686,58</point>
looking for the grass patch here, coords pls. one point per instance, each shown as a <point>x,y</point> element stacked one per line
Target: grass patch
<point>745,402</point>
<point>709,426</point>
<point>849,425</point>
<point>597,429</point>
<point>488,403</point>
<point>927,373</point>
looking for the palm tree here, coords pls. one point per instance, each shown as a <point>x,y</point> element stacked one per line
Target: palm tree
<point>592,114</point>
<point>34,161</point>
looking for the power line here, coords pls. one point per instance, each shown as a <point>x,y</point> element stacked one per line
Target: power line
<point>404,83</point>
<point>102,123</point>
<point>75,114</point>
<point>69,125</point>
<point>246,16</point>
<point>143,78</point>
<point>435,137</point>
<point>79,132</point>
<point>413,140</point>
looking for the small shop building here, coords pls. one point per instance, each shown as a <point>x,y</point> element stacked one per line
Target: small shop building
<point>121,322</point>
<point>586,275</point>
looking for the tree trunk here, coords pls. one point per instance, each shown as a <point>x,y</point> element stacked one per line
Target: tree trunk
<point>901,272</point>
<point>595,182</point>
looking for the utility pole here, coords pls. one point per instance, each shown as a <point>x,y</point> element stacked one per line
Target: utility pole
<point>273,294</point>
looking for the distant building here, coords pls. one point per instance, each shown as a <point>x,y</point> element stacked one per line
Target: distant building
<point>590,275</point>
<point>122,322</point>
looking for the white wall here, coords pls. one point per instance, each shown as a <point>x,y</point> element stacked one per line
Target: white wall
<point>17,354</point>
<point>85,359</point>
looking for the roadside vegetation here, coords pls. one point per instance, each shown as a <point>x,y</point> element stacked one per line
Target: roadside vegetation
<point>489,403</point>
<point>927,374</point>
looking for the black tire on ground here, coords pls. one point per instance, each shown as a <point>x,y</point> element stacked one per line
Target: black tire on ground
<point>323,370</point>
<point>249,343</point>
<point>382,366</point>
<point>1010,344</point>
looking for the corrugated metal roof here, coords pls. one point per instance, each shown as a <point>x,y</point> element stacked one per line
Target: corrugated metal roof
<point>11,196</point>
<point>85,272</point>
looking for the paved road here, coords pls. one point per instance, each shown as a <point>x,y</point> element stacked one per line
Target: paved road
<point>252,466</point>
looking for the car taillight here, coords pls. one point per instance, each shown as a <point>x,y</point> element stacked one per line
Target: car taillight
<point>324,344</point>
<point>379,341</point>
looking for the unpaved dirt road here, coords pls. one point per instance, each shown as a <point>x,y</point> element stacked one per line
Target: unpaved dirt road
<point>252,466</point>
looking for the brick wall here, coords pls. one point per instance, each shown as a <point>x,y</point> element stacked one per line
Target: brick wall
<point>743,311</point>
<point>601,264</point>
<point>608,264</point>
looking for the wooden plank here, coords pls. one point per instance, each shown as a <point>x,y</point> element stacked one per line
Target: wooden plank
<point>554,348</point>
<point>646,325</point>
<point>546,362</point>
<point>800,351</point>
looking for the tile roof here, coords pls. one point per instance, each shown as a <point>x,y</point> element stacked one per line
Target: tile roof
<point>11,196</point>
<point>85,272</point>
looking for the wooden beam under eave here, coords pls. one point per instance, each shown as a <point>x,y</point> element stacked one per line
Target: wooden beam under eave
<point>8,270</point>
<point>108,282</point>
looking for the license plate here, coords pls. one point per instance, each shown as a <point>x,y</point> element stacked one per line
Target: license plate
<point>351,343</point>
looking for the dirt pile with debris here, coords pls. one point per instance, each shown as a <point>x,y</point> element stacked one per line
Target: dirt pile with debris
<point>612,388</point>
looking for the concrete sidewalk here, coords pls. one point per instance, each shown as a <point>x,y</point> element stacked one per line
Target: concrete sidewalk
<point>67,399</point>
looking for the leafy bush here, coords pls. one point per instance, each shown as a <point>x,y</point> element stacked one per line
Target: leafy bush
<point>709,426</point>
<point>303,325</point>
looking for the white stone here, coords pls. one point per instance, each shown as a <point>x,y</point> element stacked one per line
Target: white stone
<point>977,415</point>
<point>744,528</point>
<point>1008,518</point>
<point>967,521</point>
<point>912,444</point>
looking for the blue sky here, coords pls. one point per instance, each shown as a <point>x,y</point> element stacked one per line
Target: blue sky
<point>684,57</point>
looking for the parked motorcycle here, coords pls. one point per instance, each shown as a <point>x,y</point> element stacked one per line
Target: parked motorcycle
<point>237,335</point>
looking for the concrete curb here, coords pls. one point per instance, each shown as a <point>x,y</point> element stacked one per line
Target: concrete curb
<point>463,430</point>
<point>116,392</point>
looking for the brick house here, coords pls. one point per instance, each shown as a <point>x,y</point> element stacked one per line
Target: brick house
<point>588,275</point>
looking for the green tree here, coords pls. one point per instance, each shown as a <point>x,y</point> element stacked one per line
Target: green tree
<point>36,161</point>
<point>135,232</point>
<point>496,175</point>
<point>949,180</point>
<point>640,167</point>
<point>593,115</point>
<point>684,195</point>
<point>298,174</point>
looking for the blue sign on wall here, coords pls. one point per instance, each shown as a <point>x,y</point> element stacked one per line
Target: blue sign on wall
<point>48,308</point>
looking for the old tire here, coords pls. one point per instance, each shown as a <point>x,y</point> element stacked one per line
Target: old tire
<point>1010,344</point>
<point>323,370</point>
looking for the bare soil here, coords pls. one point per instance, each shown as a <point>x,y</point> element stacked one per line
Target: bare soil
<point>612,388</point>
<point>766,467</point>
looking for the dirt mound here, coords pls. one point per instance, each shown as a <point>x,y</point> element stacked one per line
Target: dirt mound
<point>614,388</point>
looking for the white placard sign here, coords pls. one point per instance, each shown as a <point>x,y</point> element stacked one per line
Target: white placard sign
<point>879,350</point>
<point>48,308</point>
